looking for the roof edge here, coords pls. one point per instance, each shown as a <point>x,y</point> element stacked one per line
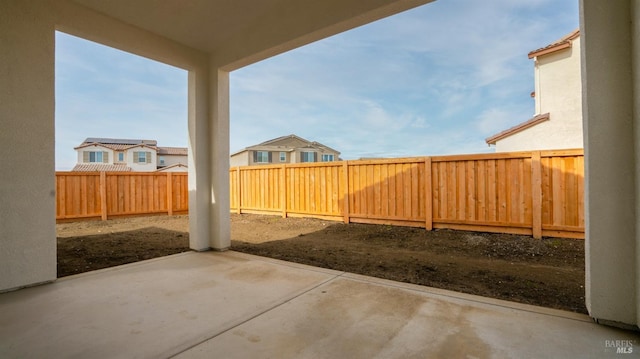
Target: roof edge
<point>564,43</point>
<point>518,128</point>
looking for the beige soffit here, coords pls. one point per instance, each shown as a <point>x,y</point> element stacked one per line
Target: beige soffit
<point>241,32</point>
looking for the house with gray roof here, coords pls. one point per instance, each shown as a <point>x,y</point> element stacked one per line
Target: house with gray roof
<point>125,155</point>
<point>282,150</point>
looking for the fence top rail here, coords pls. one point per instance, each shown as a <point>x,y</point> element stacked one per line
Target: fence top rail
<point>507,155</point>
<point>62,173</point>
<point>481,156</point>
<point>386,160</point>
<point>446,158</point>
<point>286,165</point>
<point>562,153</point>
<point>94,173</point>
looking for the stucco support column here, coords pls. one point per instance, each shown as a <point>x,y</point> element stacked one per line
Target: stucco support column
<point>27,177</point>
<point>611,183</point>
<point>635,57</point>
<point>220,229</point>
<point>209,222</point>
<point>199,159</point>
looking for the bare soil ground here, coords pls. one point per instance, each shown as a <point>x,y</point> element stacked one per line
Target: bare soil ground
<point>548,272</point>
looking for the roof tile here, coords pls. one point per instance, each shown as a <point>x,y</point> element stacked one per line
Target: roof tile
<point>563,43</point>
<point>99,167</point>
<point>178,151</point>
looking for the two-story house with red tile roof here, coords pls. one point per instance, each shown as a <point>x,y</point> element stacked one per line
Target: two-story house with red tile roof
<point>117,155</point>
<point>557,123</point>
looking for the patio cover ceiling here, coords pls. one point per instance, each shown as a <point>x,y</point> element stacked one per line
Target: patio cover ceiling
<point>240,32</point>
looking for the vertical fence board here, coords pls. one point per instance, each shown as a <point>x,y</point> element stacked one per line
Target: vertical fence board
<point>536,194</point>
<point>393,194</point>
<point>580,190</point>
<point>481,175</point>
<point>428,194</point>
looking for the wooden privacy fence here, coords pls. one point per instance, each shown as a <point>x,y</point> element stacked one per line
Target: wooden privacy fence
<point>537,193</point>
<point>111,194</point>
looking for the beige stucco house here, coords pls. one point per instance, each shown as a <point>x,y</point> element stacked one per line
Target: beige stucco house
<point>285,149</point>
<point>118,155</point>
<point>557,123</point>
<point>172,159</point>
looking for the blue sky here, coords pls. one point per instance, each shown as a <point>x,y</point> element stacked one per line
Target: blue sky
<point>434,80</point>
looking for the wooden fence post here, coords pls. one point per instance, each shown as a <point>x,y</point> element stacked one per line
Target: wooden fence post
<point>283,190</point>
<point>103,195</point>
<point>169,193</point>
<point>239,190</point>
<point>428,195</point>
<point>536,195</point>
<point>61,195</point>
<point>345,191</point>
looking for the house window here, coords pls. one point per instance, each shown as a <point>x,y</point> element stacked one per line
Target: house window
<point>120,156</point>
<point>261,157</point>
<point>161,160</point>
<point>142,157</point>
<point>95,156</point>
<point>283,156</point>
<point>327,157</point>
<point>307,156</point>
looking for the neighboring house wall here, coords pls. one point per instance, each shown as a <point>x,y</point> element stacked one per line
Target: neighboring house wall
<point>282,150</point>
<point>170,160</point>
<point>558,89</point>
<point>136,155</point>
<point>139,164</point>
<point>240,159</point>
<point>264,157</point>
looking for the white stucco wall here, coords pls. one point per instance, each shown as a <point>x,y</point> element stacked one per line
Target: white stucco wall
<point>27,179</point>
<point>635,28</point>
<point>141,167</point>
<point>558,92</point>
<point>172,160</point>
<point>610,49</point>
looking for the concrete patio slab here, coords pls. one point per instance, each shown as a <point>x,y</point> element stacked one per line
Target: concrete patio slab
<point>150,309</point>
<point>232,305</point>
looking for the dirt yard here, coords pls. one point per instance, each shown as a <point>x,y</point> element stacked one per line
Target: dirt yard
<point>548,272</point>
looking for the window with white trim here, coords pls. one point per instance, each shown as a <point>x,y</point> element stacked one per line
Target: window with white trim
<point>120,156</point>
<point>283,157</point>
<point>327,157</point>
